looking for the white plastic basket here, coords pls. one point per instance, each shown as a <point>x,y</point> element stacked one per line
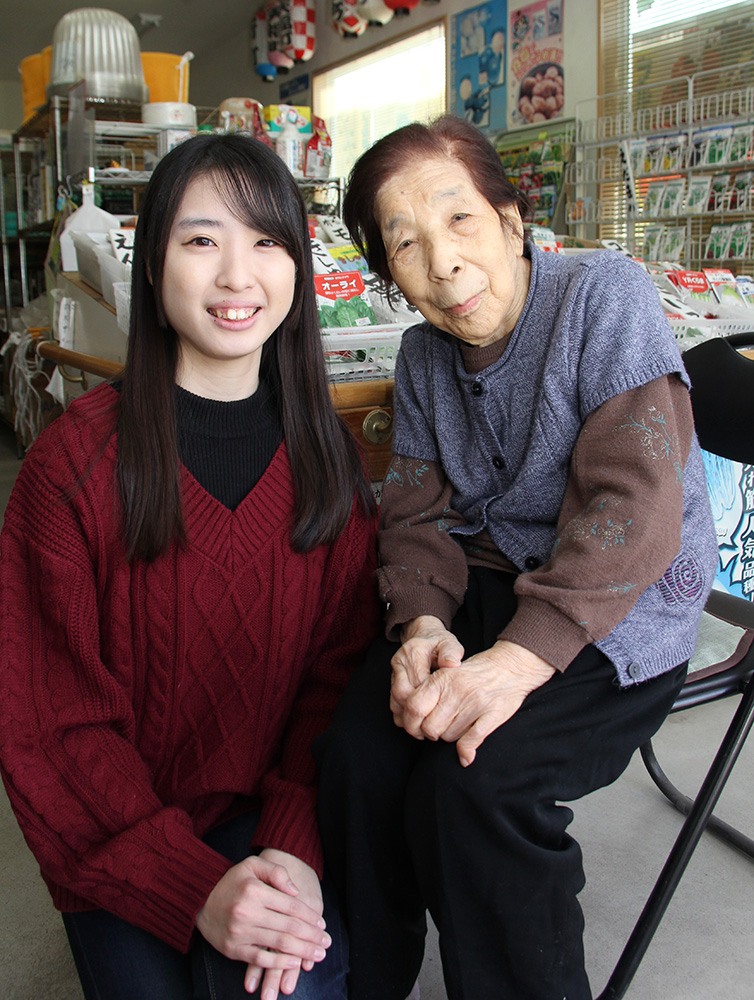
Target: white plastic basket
<point>693,331</point>
<point>359,355</point>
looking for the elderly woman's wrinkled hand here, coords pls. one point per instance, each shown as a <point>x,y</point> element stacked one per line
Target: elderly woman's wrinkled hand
<point>427,646</point>
<point>466,703</point>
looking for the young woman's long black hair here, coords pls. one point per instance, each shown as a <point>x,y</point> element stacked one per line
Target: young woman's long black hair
<point>326,466</point>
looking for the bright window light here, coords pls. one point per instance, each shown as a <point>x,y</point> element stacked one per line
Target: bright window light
<point>367,97</point>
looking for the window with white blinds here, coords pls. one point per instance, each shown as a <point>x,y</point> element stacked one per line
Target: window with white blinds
<point>655,56</point>
<point>647,42</point>
<point>367,97</point>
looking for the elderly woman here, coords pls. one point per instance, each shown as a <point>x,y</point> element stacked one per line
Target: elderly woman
<point>546,550</point>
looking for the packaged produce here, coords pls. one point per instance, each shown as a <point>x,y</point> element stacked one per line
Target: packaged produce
<point>284,117</point>
<point>318,151</point>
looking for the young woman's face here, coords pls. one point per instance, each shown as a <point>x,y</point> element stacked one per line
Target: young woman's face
<point>225,289</point>
<point>451,253</point>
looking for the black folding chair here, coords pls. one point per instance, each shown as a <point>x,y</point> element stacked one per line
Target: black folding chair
<point>722,398</point>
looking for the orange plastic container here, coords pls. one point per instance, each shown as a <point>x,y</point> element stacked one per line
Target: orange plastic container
<point>35,75</point>
<point>166,78</point>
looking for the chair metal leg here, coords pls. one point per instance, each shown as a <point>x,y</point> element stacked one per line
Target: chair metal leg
<point>684,847</point>
<point>683,804</point>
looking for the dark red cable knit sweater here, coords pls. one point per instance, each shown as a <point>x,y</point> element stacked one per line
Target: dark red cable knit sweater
<point>144,704</point>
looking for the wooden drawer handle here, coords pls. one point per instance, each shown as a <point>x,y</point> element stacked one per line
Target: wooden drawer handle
<point>377,427</point>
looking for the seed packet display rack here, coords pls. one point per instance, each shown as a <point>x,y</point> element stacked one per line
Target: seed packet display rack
<point>668,169</point>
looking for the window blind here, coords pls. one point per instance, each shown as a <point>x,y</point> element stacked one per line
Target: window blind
<point>645,42</point>
<point>654,55</point>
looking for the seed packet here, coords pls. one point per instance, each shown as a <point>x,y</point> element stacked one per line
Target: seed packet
<point>723,283</point>
<point>742,190</point>
<point>673,243</point>
<point>392,309</point>
<point>741,143</point>
<point>698,195</point>
<point>740,239</point>
<point>318,150</point>
<point>342,300</point>
<point>536,149</point>
<point>578,210</point>
<point>745,285</point>
<point>694,288</point>
<point>548,199</point>
<point>653,154</point>
<point>652,242</point>
<point>653,198</point>
<point>334,229</point>
<point>718,243</point>
<point>674,152</point>
<point>552,172</point>
<point>556,148</point>
<point>718,193</point>
<point>636,156</point>
<point>715,144</point>
<point>672,197</point>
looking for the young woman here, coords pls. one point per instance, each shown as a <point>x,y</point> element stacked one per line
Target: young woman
<point>187,582</point>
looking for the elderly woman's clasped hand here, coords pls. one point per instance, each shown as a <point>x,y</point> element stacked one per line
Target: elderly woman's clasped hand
<point>435,694</point>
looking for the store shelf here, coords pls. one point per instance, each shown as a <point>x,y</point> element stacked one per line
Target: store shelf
<point>634,150</point>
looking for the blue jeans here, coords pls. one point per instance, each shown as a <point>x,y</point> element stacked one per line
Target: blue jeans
<point>118,961</point>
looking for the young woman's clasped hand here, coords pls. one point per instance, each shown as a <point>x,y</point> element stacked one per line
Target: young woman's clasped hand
<point>267,912</point>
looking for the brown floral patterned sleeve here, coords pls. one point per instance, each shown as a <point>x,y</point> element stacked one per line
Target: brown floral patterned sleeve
<point>618,531</point>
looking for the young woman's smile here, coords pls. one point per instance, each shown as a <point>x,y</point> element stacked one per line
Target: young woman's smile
<point>226,288</point>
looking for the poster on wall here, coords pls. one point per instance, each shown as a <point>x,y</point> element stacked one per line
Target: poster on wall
<point>477,65</point>
<point>535,63</point>
<point>731,491</point>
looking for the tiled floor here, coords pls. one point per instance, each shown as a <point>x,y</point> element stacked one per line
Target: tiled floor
<point>702,951</point>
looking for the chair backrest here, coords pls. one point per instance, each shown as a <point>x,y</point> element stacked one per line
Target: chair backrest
<point>722,396</point>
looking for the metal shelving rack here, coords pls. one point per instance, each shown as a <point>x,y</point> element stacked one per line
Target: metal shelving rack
<point>605,191</point>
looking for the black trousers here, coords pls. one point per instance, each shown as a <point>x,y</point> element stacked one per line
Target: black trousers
<point>485,848</point>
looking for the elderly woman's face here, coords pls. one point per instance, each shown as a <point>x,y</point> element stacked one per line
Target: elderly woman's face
<point>450,253</point>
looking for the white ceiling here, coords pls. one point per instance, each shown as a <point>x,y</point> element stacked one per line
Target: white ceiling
<point>187,25</point>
